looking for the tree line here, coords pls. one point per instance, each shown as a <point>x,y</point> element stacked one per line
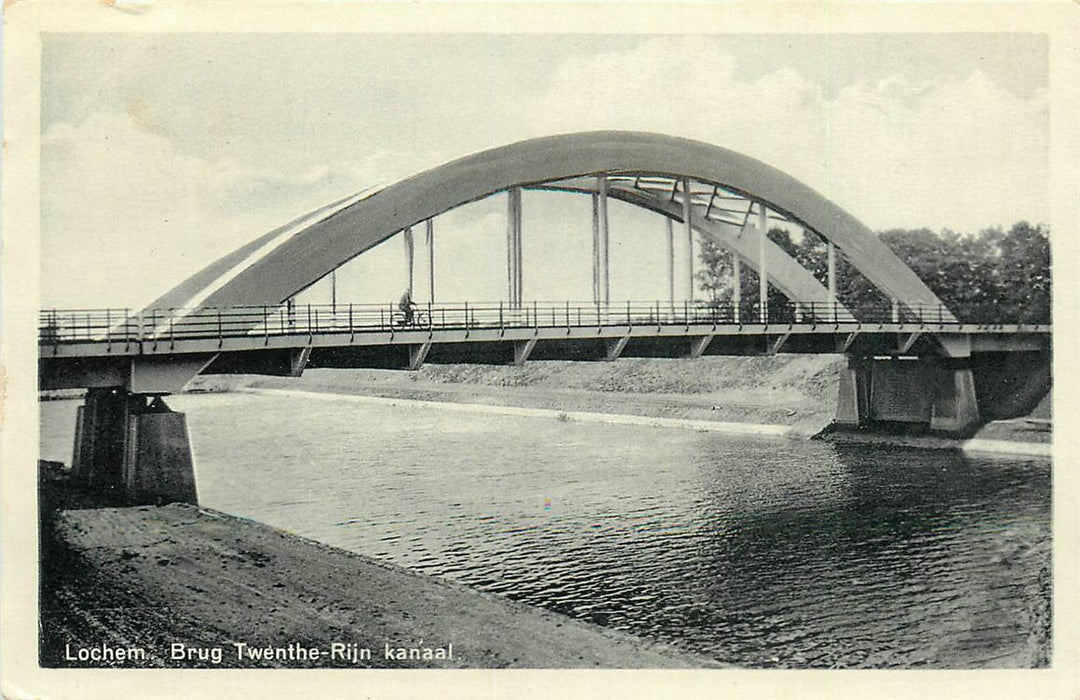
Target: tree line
<point>993,276</point>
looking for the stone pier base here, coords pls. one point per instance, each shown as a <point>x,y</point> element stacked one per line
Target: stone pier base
<point>136,452</point>
<point>935,393</point>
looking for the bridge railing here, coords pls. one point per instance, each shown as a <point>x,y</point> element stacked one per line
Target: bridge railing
<point>165,325</point>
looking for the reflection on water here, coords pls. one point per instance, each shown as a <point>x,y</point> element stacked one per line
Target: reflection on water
<point>762,552</point>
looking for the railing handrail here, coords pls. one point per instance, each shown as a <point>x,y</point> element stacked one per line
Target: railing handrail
<point>115,325</point>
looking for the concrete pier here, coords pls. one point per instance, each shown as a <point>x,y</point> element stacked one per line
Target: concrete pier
<point>937,394</point>
<point>135,450</point>
<point>853,400</point>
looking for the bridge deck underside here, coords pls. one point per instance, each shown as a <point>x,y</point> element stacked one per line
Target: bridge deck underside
<point>69,364</point>
<point>726,339</point>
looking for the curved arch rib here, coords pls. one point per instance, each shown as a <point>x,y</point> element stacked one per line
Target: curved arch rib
<point>303,254</point>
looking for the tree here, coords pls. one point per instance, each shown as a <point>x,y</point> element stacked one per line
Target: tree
<point>988,277</point>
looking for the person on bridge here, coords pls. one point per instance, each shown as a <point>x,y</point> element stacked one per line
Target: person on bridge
<point>408,308</point>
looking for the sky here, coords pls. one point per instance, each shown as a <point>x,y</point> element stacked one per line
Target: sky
<point>161,153</point>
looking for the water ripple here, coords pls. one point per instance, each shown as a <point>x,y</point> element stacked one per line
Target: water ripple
<point>762,552</point>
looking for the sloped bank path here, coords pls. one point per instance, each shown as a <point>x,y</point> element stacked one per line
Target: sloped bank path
<point>778,397</point>
<point>185,587</point>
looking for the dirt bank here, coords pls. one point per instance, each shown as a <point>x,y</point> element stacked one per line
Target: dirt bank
<point>795,391</point>
<point>149,578</point>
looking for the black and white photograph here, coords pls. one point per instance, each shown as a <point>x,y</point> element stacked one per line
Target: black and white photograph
<point>561,342</point>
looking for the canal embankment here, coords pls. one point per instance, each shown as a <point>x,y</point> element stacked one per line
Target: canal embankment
<point>792,396</point>
<point>178,586</point>
<point>794,393</point>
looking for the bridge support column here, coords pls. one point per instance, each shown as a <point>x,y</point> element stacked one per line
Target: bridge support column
<point>101,438</point>
<point>853,402</point>
<point>698,345</point>
<point>417,355</point>
<point>614,347</point>
<point>736,286</point>
<point>138,453</point>
<point>429,241</point>
<point>601,243</point>
<point>763,273</point>
<point>671,263</point>
<point>298,359</point>
<point>410,257</point>
<point>688,228</point>
<point>956,407</point>
<point>522,350</point>
<point>513,246</point>
<point>832,278</point>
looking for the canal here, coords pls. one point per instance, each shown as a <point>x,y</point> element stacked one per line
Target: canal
<point>762,552</point>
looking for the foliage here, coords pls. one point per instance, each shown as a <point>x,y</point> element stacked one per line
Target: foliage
<point>992,276</point>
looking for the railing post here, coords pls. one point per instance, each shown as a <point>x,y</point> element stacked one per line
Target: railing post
<point>350,318</point>
<point>628,313</point>
<point>108,331</point>
<point>220,338</point>
<point>502,325</point>
<point>536,318</point>
<point>466,317</point>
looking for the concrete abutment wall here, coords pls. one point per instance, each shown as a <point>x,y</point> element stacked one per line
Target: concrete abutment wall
<point>138,453</point>
<point>951,396</point>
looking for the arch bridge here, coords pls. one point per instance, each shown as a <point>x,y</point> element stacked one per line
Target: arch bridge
<point>239,314</point>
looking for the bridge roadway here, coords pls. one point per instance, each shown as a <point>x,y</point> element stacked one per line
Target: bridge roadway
<point>96,347</point>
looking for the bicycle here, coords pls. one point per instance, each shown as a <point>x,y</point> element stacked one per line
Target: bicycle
<point>400,320</point>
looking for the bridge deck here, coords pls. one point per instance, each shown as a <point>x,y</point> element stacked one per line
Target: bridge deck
<point>117,333</point>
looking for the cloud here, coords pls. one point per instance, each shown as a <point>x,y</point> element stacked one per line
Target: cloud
<point>121,203</point>
<point>130,209</point>
<point>958,152</point>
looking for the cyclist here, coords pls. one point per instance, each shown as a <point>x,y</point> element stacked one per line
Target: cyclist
<point>408,308</point>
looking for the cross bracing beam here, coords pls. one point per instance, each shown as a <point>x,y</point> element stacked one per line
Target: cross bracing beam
<point>291,258</point>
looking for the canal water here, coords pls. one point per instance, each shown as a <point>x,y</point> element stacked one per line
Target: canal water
<point>762,552</point>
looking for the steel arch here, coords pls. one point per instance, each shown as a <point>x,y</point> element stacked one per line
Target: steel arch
<point>281,263</point>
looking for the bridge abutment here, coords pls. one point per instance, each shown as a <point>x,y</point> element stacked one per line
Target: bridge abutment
<point>852,404</point>
<point>937,394</point>
<point>955,407</point>
<point>137,451</point>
